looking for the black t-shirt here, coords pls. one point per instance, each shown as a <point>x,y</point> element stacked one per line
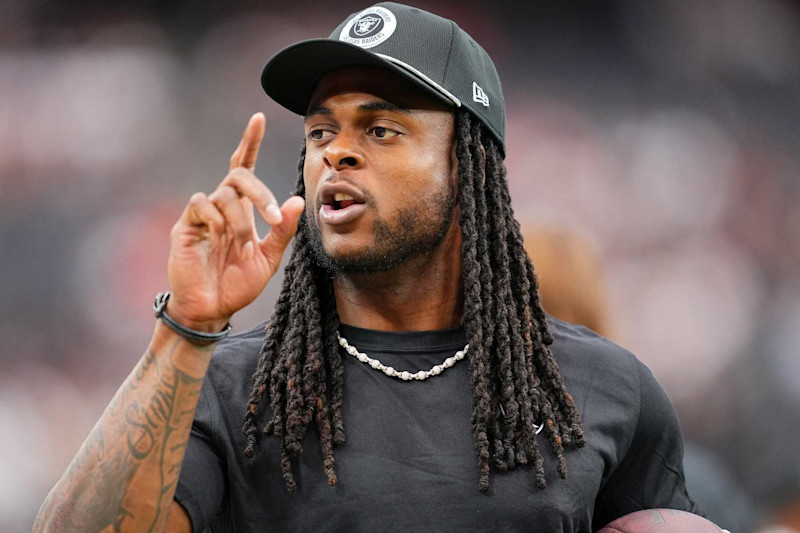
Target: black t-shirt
<point>409,463</point>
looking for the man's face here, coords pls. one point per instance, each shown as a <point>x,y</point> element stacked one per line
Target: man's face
<point>380,172</point>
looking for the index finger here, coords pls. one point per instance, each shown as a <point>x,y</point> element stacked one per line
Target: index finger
<point>246,153</point>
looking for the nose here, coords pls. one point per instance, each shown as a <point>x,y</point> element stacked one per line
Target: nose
<point>343,153</point>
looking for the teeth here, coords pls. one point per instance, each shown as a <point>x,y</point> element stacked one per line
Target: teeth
<point>339,197</point>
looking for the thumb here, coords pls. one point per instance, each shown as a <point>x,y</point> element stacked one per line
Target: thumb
<point>276,241</point>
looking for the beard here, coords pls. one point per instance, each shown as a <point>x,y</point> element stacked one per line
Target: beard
<point>417,230</point>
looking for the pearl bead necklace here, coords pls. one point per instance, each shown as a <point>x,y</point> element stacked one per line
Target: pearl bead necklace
<point>405,376</point>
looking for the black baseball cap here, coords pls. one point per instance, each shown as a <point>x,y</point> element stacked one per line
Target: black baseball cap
<point>428,50</point>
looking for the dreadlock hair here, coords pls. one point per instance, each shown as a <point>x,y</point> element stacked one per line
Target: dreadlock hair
<point>516,384</point>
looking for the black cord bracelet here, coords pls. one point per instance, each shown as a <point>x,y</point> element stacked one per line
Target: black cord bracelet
<point>197,337</point>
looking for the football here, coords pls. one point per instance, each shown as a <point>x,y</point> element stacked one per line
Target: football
<point>661,521</point>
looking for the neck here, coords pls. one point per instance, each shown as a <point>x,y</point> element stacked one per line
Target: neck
<point>424,293</point>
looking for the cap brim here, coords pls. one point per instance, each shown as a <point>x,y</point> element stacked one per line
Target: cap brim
<point>291,76</point>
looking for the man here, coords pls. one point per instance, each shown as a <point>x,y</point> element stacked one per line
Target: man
<point>407,259</point>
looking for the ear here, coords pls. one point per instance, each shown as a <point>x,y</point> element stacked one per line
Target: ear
<point>454,177</point>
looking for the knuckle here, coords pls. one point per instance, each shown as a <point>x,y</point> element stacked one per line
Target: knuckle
<point>197,198</point>
<point>245,175</point>
<point>236,174</point>
<point>230,177</point>
<point>224,193</point>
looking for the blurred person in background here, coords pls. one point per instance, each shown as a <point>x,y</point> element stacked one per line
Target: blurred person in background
<point>571,282</point>
<point>399,282</point>
<point>573,288</point>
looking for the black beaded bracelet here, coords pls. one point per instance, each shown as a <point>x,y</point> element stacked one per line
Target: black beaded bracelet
<point>197,337</point>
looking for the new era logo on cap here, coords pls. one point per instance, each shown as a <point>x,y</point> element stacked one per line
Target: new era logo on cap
<point>478,95</point>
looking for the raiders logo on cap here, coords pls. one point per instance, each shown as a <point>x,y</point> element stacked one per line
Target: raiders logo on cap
<point>369,28</point>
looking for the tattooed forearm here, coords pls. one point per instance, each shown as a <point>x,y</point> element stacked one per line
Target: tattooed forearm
<point>125,474</point>
<point>174,444</point>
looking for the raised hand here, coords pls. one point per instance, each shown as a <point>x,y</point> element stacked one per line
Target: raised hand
<point>125,474</point>
<point>217,262</point>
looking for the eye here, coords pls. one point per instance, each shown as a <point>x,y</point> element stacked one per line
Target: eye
<point>319,134</point>
<point>382,133</point>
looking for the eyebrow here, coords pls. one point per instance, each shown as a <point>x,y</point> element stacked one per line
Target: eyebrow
<point>372,106</point>
<point>318,110</point>
<point>382,106</point>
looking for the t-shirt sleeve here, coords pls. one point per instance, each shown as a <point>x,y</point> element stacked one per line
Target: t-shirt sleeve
<point>202,484</point>
<point>651,473</point>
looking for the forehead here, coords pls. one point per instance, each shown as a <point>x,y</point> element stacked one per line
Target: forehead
<point>383,84</point>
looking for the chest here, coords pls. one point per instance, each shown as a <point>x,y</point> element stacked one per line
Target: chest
<point>409,464</point>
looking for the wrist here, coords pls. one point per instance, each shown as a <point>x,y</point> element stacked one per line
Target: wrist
<point>206,326</point>
<point>201,332</point>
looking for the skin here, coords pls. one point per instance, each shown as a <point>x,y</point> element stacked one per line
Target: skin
<point>405,169</point>
<point>124,476</point>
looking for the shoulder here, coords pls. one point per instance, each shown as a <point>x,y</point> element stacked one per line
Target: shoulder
<point>609,383</point>
<point>580,351</point>
<point>629,422</point>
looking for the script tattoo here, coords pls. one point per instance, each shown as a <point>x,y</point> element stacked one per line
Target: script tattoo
<point>165,416</point>
<point>132,456</point>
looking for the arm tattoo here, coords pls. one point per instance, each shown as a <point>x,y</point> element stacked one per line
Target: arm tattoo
<point>125,474</point>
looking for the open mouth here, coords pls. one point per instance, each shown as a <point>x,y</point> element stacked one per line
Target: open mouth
<point>340,208</point>
<point>338,201</point>
<point>342,201</point>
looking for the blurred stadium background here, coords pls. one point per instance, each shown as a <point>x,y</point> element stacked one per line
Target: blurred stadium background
<point>667,133</point>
